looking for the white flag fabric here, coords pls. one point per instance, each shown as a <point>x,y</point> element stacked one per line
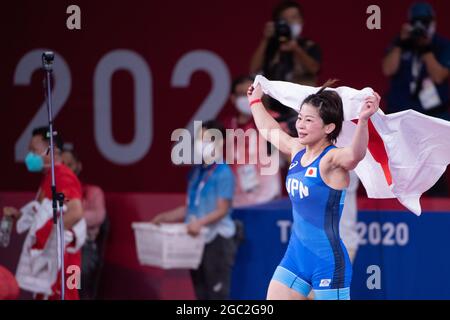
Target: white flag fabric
<point>407,153</point>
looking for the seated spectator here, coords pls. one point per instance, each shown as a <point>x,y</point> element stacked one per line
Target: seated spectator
<point>252,186</point>
<point>93,201</point>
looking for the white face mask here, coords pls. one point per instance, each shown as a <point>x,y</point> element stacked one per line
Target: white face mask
<point>242,105</point>
<point>296,29</point>
<point>431,30</point>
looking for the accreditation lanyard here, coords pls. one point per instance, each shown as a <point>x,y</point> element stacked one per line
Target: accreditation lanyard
<point>202,184</point>
<point>416,66</point>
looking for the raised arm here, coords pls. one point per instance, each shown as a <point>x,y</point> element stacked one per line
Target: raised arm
<point>267,126</point>
<point>349,157</point>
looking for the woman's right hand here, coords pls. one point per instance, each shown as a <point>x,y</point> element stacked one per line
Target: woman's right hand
<point>371,106</point>
<point>254,93</point>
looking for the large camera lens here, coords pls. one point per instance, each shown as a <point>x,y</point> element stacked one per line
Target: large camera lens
<point>419,27</point>
<point>282,31</point>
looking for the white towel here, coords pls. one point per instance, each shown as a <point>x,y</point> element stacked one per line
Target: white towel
<point>37,269</point>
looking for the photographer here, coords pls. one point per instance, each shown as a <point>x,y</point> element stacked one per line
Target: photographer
<point>418,64</point>
<point>284,54</point>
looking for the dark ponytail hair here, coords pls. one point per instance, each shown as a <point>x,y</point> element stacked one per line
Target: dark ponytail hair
<point>330,107</point>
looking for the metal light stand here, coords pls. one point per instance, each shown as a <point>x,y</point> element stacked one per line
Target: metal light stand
<point>57,198</point>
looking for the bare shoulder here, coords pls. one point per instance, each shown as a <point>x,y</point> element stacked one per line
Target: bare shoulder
<point>334,176</point>
<point>296,147</point>
<point>327,161</point>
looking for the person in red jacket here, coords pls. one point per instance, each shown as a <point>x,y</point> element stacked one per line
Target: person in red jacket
<point>38,160</point>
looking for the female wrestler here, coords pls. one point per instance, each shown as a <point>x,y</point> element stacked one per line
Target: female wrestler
<point>316,258</point>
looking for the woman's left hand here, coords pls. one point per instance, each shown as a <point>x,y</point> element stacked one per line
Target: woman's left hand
<point>194,227</point>
<point>371,105</point>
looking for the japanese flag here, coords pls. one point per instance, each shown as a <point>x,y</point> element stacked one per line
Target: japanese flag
<point>311,172</point>
<point>407,151</point>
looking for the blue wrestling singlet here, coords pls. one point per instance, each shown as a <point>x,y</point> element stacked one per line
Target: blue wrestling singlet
<point>316,257</point>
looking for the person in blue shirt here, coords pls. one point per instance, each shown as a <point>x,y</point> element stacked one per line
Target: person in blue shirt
<point>316,258</point>
<point>209,196</point>
<point>418,65</point>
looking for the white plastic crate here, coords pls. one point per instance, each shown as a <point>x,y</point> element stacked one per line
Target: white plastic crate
<point>168,246</point>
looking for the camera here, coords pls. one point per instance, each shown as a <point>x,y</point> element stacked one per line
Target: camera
<point>282,31</point>
<point>419,28</point>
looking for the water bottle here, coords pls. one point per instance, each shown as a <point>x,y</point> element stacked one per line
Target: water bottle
<point>5,230</point>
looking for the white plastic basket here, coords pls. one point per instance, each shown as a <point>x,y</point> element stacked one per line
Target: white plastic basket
<point>168,246</point>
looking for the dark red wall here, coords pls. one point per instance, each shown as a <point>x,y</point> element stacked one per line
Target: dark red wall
<point>161,32</point>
